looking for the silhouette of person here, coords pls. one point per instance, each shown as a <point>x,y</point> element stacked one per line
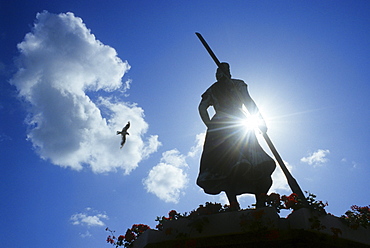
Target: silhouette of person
<point>232,159</point>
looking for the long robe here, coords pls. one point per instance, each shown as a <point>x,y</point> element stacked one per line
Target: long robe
<point>232,159</point>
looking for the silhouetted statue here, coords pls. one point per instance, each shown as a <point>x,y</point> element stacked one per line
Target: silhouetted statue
<point>232,160</point>
<point>123,133</point>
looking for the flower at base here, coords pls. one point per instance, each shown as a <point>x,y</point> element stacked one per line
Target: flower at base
<point>110,240</point>
<point>357,216</point>
<point>139,228</point>
<point>290,201</point>
<point>130,236</point>
<point>172,214</point>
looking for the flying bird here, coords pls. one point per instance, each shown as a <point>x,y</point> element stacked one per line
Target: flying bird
<point>123,133</point>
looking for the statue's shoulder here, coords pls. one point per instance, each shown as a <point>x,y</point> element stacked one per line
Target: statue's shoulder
<point>239,81</point>
<point>220,85</point>
<point>215,84</point>
<point>208,92</point>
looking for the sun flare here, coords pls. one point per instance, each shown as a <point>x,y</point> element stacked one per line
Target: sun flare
<point>251,122</point>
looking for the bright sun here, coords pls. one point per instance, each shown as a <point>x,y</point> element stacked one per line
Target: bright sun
<point>251,122</point>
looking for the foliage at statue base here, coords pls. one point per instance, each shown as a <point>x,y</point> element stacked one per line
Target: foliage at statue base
<point>212,221</point>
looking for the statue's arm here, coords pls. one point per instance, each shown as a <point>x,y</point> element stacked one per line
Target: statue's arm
<point>203,112</point>
<point>250,104</point>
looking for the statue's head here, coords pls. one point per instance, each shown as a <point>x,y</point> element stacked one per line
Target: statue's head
<point>220,73</point>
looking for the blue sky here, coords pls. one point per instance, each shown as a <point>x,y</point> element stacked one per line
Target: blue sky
<point>73,73</point>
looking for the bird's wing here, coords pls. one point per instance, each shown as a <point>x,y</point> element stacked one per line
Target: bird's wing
<point>126,127</point>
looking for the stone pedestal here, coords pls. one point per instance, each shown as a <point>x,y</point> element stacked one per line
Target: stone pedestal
<point>255,228</point>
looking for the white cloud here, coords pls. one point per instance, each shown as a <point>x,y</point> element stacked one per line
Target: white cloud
<point>86,234</point>
<point>223,198</point>
<point>167,179</point>
<point>317,158</point>
<point>197,148</point>
<point>353,163</point>
<point>60,62</point>
<point>85,219</point>
<point>279,181</point>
